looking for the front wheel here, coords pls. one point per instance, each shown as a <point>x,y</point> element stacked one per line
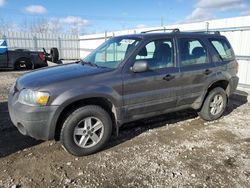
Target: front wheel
<point>214,105</point>
<point>86,130</point>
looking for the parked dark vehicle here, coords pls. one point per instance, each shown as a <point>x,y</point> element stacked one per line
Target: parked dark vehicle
<point>125,79</point>
<point>25,59</point>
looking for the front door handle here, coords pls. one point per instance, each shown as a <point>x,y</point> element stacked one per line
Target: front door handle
<point>168,77</point>
<point>208,71</point>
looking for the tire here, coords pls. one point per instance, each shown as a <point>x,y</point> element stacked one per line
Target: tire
<point>78,139</point>
<point>17,66</point>
<point>59,62</point>
<point>23,61</point>
<point>30,66</point>
<point>214,105</point>
<point>54,55</point>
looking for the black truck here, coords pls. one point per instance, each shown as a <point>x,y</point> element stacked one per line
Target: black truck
<point>25,59</point>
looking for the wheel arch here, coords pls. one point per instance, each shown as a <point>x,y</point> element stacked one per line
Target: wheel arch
<point>103,102</point>
<point>224,84</point>
<point>26,59</point>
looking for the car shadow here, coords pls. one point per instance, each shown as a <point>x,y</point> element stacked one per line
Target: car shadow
<point>237,99</point>
<point>131,130</point>
<point>21,71</point>
<point>11,140</point>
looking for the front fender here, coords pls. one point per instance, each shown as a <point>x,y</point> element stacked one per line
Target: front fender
<point>74,95</point>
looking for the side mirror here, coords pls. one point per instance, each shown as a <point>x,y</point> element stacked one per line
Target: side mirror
<point>139,66</point>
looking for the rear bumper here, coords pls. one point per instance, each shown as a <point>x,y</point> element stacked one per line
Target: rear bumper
<point>233,84</point>
<point>31,120</point>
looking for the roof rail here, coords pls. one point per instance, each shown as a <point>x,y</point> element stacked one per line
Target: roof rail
<point>175,30</point>
<point>208,32</point>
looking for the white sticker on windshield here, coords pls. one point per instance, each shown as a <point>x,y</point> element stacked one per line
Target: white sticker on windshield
<point>127,41</point>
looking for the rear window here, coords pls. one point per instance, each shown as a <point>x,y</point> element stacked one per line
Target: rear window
<point>224,50</point>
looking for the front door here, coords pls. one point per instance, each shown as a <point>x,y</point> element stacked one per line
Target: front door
<point>152,92</point>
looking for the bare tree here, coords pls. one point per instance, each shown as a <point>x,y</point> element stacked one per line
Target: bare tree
<point>74,28</point>
<point>72,25</point>
<point>46,26</point>
<point>55,26</point>
<point>7,26</point>
<point>39,26</point>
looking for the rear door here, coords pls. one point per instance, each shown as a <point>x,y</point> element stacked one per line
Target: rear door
<point>3,54</point>
<point>152,92</point>
<point>196,70</point>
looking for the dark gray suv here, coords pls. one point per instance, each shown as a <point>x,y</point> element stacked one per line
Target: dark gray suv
<point>125,79</point>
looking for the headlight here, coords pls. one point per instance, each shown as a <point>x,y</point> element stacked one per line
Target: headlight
<point>33,98</point>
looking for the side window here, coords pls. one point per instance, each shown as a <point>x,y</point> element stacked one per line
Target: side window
<point>192,52</point>
<point>149,48</point>
<point>158,54</point>
<point>225,52</point>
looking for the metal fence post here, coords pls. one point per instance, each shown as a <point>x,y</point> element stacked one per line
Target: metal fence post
<point>79,48</point>
<point>60,48</point>
<point>35,43</point>
<point>207,26</point>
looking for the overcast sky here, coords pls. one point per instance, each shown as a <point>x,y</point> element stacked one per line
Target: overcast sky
<point>100,15</point>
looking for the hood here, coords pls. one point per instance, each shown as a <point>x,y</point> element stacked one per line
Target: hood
<point>47,76</point>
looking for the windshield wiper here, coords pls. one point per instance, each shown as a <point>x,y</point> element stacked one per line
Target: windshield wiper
<point>89,63</point>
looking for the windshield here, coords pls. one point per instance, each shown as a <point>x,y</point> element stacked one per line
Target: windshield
<point>111,53</point>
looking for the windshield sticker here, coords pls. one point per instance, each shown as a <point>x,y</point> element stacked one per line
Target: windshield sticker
<point>127,41</point>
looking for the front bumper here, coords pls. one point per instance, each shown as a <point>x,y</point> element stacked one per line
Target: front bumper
<point>34,121</point>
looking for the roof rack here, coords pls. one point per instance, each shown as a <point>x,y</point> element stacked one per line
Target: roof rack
<point>208,32</point>
<point>175,30</point>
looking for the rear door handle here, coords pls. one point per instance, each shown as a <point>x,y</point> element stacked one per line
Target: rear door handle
<point>208,71</point>
<point>168,77</point>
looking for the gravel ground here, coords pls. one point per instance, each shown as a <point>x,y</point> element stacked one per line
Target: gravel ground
<point>174,150</point>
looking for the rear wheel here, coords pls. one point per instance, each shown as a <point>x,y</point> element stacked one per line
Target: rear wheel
<point>23,64</point>
<point>214,104</point>
<point>86,130</point>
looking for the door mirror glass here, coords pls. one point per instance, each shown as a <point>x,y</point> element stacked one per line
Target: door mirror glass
<point>140,66</point>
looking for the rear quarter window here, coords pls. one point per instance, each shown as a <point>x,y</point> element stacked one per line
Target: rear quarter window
<point>223,49</point>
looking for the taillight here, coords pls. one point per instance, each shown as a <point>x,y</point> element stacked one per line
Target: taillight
<point>41,56</point>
